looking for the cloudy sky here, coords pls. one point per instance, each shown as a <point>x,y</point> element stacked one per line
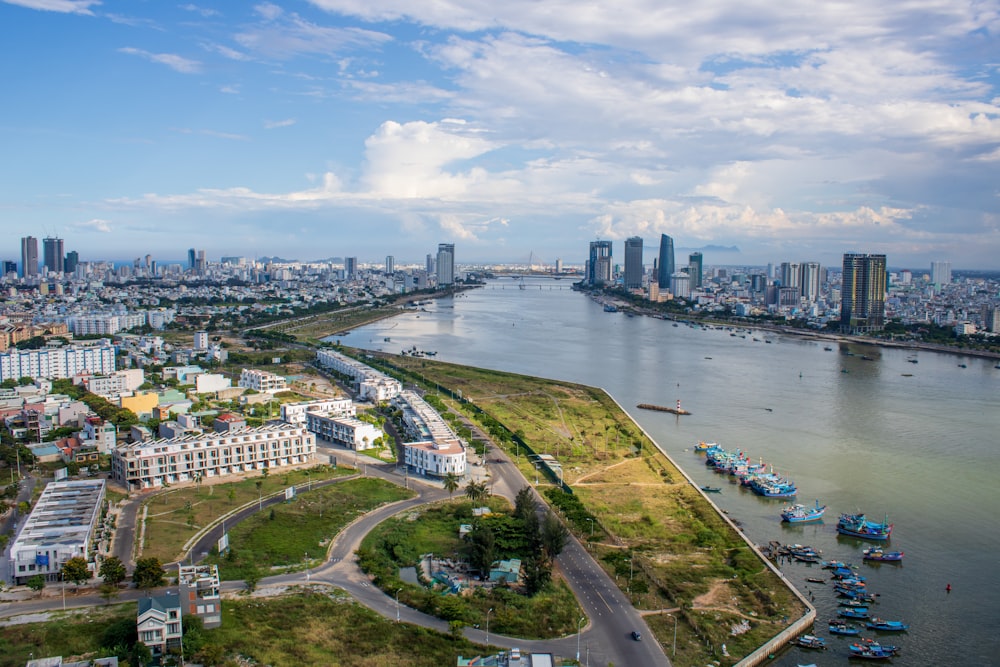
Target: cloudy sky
<point>756,130</point>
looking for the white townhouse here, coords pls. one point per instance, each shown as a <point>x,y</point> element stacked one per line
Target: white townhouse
<point>151,464</point>
<point>262,381</point>
<point>295,413</point>
<point>370,384</point>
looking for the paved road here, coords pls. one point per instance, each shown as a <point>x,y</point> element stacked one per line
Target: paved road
<point>11,522</point>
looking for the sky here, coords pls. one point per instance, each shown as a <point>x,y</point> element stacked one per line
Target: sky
<point>755,131</point>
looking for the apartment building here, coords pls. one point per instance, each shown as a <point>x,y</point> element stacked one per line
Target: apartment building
<point>348,431</point>
<point>370,384</point>
<point>295,413</point>
<point>262,381</point>
<point>199,593</point>
<point>151,464</point>
<point>58,362</point>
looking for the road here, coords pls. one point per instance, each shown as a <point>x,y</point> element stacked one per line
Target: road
<point>605,637</point>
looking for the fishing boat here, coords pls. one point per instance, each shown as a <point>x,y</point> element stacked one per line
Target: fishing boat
<point>874,643</point>
<point>878,555</point>
<point>704,446</point>
<point>838,627</point>
<point>834,564</point>
<point>811,641</point>
<point>712,489</point>
<point>852,603</point>
<point>815,580</point>
<point>876,623</point>
<point>866,652</point>
<point>801,514</point>
<point>856,525</point>
<point>860,613</point>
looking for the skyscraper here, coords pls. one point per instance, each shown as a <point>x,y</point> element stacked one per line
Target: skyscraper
<point>696,269</point>
<point>862,293</point>
<point>791,274</point>
<point>390,264</point>
<point>191,258</point>
<point>72,259</point>
<point>633,262</point>
<point>29,256</point>
<point>665,266</point>
<point>599,266</point>
<point>811,280</point>
<point>430,265</point>
<point>446,263</point>
<point>53,254</point>
<point>350,267</point>
<point>941,273</point>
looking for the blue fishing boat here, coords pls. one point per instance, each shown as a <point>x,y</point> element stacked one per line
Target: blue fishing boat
<point>811,641</point>
<point>712,489</point>
<point>854,612</point>
<point>877,645</point>
<point>838,627</point>
<point>877,555</point>
<point>801,514</point>
<point>856,525</point>
<point>867,652</point>
<point>886,626</point>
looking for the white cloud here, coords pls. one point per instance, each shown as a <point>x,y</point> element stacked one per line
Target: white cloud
<point>171,60</point>
<point>62,6</point>
<point>272,124</point>
<point>95,225</point>
<point>285,36</point>
<point>205,12</point>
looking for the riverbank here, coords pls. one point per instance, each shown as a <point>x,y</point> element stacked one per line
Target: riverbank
<point>667,545</point>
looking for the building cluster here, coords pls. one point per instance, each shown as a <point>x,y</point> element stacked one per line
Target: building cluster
<point>435,450</point>
<point>370,384</point>
<point>862,294</point>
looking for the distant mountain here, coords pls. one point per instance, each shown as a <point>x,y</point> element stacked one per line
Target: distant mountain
<point>329,260</point>
<point>276,260</point>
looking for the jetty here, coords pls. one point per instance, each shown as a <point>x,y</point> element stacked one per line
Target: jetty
<point>664,408</point>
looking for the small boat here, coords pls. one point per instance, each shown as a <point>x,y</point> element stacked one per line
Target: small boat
<point>962,366</point>
<point>798,513</point>
<point>857,525</point>
<point>704,446</point>
<point>712,489</point>
<point>866,652</point>
<point>828,349</point>
<point>815,580</point>
<point>860,613</point>
<point>811,641</point>
<point>878,555</point>
<point>877,645</point>
<point>852,603</point>
<point>876,623</point>
<point>838,627</point>
<point>914,361</point>
<point>834,564</point>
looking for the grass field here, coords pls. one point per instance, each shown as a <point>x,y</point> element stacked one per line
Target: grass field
<point>301,628</point>
<point>401,541</point>
<point>298,533</point>
<point>667,546</point>
<point>175,515</point>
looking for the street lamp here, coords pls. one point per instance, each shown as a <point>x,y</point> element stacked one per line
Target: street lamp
<point>591,526</point>
<point>578,624</point>
<point>488,625</point>
<point>674,651</point>
<point>629,575</point>
<point>397,604</point>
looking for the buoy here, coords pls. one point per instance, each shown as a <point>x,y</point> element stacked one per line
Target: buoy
<point>948,588</point>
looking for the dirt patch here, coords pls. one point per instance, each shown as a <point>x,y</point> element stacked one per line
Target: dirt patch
<point>719,596</point>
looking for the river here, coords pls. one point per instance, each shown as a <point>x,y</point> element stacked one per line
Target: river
<point>858,427</point>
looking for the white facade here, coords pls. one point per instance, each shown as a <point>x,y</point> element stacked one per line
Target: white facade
<point>207,383</point>
<point>201,340</point>
<point>435,459</point>
<point>151,464</point>
<point>371,384</point>
<point>60,527</point>
<point>349,431</point>
<point>295,413</point>
<point>158,624</point>
<point>262,381</point>
<point>105,324</point>
<point>58,362</point>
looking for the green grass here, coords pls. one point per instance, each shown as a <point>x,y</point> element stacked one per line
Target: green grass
<point>177,514</point>
<point>306,525</point>
<point>401,541</point>
<point>67,634</point>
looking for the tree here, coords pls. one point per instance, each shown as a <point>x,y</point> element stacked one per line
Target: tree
<point>36,582</point>
<point>148,573</point>
<point>75,569</point>
<point>553,536</point>
<point>524,503</point>
<point>477,491</point>
<point>112,570</point>
<point>109,592</point>
<point>451,483</point>
<point>251,577</point>
<point>482,550</point>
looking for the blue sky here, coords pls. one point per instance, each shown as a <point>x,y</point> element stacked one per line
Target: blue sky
<point>791,131</point>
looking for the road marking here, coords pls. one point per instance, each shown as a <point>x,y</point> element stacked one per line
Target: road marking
<point>605,602</point>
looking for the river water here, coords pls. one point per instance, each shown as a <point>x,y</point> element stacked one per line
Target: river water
<point>918,442</point>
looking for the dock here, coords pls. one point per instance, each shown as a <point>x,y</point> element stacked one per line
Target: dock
<point>663,408</point>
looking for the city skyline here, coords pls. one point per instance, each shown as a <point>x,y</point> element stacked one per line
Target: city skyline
<point>326,128</point>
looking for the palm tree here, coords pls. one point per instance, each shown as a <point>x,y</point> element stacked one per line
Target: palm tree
<point>451,483</point>
<point>477,491</point>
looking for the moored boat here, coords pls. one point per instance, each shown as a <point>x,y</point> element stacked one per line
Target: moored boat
<point>811,641</point>
<point>712,489</point>
<point>798,513</point>
<point>867,652</point>
<point>860,613</point>
<point>877,554</point>
<point>838,627</point>
<point>886,626</point>
<point>856,525</point>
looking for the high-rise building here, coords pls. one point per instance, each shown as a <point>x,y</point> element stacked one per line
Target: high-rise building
<point>446,263</point>
<point>665,265</point>
<point>680,285</point>
<point>53,254</point>
<point>791,274</point>
<point>350,268</point>
<point>200,263</point>
<point>599,266</point>
<point>695,269</point>
<point>431,265</point>
<point>862,299</point>
<point>29,256</point>
<point>811,281</point>
<point>191,258</point>
<point>633,262</point>
<point>9,268</point>
<point>71,261</point>
<point>390,264</point>
<point>941,273</point>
